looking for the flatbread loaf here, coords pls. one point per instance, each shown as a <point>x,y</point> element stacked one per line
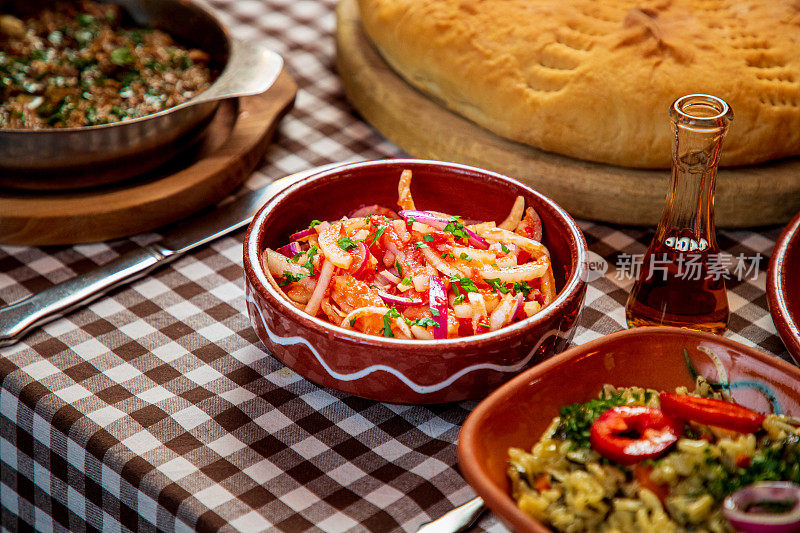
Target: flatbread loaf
<point>594,79</point>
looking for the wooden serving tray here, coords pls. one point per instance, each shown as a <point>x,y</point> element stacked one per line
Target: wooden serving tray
<point>745,196</point>
<point>233,145</point>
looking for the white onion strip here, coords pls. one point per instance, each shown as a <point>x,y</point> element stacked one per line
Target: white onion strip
<point>375,310</point>
<point>534,248</point>
<point>439,264</point>
<point>404,200</point>
<point>526,272</point>
<point>325,275</point>
<point>514,217</point>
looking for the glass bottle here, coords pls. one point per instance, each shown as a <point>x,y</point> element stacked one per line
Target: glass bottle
<point>681,281</point>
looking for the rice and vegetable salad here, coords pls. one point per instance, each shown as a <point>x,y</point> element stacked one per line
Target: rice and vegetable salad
<point>638,460</point>
<point>78,64</point>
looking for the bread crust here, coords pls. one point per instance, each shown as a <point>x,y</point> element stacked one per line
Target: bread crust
<point>594,80</point>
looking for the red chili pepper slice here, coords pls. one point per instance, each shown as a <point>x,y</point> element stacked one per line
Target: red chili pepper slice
<point>631,433</point>
<point>711,412</point>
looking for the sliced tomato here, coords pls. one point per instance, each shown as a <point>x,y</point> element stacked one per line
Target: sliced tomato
<point>632,433</point>
<point>712,412</point>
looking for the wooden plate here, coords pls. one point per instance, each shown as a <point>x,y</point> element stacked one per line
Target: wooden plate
<point>783,287</point>
<point>234,144</point>
<point>746,196</point>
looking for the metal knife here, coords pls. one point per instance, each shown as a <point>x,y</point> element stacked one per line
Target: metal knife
<point>20,317</point>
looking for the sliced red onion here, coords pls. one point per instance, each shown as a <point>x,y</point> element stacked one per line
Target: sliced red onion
<point>438,303</point>
<point>735,508</point>
<point>301,234</point>
<point>399,300</point>
<point>439,222</point>
<point>369,210</point>
<point>362,258</point>
<point>290,250</point>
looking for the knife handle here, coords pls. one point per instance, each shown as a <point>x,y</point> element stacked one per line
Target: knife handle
<point>17,318</point>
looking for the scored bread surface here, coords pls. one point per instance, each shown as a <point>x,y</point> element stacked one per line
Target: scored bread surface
<point>593,79</point>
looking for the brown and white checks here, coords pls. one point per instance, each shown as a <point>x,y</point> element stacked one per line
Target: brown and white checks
<point>155,408</point>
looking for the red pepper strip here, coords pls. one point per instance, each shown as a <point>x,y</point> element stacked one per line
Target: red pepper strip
<point>711,412</point>
<point>632,433</point>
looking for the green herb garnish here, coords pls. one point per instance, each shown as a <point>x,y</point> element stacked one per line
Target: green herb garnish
<point>424,322</point>
<point>288,278</point>
<point>577,419</point>
<point>523,287</point>
<point>314,224</point>
<point>346,244</point>
<point>377,235</point>
<point>387,321</point>
<point>505,248</point>
<point>420,244</point>
<point>122,56</point>
<point>399,268</point>
<point>427,238</point>
<point>466,257</point>
<point>498,285</point>
<point>434,311</point>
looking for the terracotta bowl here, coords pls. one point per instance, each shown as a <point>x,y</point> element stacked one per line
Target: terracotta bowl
<point>783,287</point>
<point>518,412</point>
<point>405,371</point>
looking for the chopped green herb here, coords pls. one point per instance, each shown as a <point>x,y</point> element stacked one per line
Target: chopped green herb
<point>466,284</point>
<point>406,281</point>
<point>288,278</point>
<point>458,299</point>
<point>498,285</point>
<point>399,268</point>
<point>377,235</point>
<point>346,244</point>
<point>434,311</point>
<point>420,244</point>
<point>576,420</point>
<point>353,322</point>
<point>447,254</point>
<point>309,264</point>
<point>425,322</point>
<point>427,238</point>
<point>314,224</point>
<point>523,287</point>
<point>122,56</point>
<point>456,228</point>
<point>505,248</point>
<point>387,321</point>
<point>85,19</point>
<point>466,257</point>
<point>482,325</point>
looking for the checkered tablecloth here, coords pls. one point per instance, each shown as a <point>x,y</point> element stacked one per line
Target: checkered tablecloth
<point>157,408</point>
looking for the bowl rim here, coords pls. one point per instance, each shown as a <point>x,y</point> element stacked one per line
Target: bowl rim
<point>200,6</point>
<point>260,282</point>
<point>468,457</point>
<point>788,329</point>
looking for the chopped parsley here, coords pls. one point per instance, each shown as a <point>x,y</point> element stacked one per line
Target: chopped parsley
<point>458,299</point>
<point>406,281</point>
<point>577,419</point>
<point>288,278</point>
<point>377,235</point>
<point>346,244</point>
<point>523,287</point>
<point>498,285</point>
<point>505,248</point>
<point>424,322</point>
<point>309,264</point>
<point>427,238</point>
<point>466,284</point>
<point>420,244</point>
<point>387,321</point>
<point>434,311</point>
<point>447,254</point>
<point>399,268</point>
<point>455,228</point>
<point>314,224</point>
<point>466,257</point>
<point>122,57</point>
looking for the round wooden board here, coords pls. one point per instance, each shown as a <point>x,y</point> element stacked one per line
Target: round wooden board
<point>233,145</point>
<point>746,196</point>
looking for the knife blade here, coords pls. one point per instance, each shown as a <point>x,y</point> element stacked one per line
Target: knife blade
<point>19,318</point>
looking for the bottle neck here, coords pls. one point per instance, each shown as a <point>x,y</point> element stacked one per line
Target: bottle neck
<point>688,220</point>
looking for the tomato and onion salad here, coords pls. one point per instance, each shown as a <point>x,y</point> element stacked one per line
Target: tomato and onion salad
<point>416,274</point>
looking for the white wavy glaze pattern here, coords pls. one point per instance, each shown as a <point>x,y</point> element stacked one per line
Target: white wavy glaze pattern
<point>416,387</point>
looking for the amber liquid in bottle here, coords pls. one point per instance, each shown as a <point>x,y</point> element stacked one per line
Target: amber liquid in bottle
<point>680,282</point>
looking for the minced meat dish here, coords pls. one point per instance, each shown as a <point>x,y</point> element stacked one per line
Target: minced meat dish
<point>77,64</point>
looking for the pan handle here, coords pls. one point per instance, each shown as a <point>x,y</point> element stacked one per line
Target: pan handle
<point>252,69</point>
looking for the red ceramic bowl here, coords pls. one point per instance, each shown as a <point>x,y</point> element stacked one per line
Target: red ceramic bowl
<point>783,287</point>
<point>406,371</point>
<point>519,412</point>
